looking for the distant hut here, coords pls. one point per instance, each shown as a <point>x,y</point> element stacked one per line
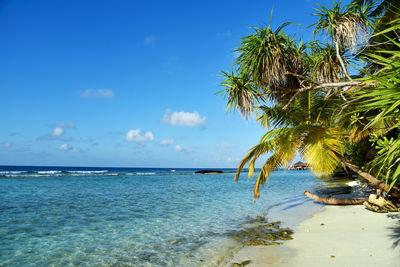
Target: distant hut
<point>299,166</point>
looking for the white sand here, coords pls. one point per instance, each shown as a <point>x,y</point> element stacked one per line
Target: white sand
<point>350,236</point>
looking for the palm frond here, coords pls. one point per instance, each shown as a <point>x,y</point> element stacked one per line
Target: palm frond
<point>319,146</point>
<point>240,92</point>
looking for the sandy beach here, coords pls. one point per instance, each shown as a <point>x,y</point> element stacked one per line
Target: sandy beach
<point>337,236</point>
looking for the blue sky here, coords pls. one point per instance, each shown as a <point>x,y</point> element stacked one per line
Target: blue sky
<point>127,83</point>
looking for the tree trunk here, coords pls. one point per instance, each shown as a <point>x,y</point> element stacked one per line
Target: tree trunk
<point>341,61</point>
<point>394,192</point>
<point>335,201</point>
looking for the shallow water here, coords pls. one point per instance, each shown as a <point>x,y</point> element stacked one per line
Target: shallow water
<point>148,217</point>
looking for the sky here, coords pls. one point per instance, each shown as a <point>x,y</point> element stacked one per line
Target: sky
<point>128,83</point>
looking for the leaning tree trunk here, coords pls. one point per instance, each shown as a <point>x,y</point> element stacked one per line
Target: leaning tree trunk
<point>394,192</point>
<point>335,201</point>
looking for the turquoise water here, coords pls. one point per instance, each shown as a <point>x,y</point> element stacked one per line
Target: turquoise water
<point>120,218</point>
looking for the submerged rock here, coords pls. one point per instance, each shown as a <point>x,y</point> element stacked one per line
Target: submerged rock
<point>242,264</point>
<point>258,219</point>
<point>208,171</point>
<point>258,232</point>
<point>175,241</point>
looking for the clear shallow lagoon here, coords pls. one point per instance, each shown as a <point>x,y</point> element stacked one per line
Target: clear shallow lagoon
<point>130,217</point>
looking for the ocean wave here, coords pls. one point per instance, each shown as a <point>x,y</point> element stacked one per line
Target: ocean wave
<point>74,173</point>
<point>31,175</point>
<point>139,173</point>
<point>53,173</point>
<point>49,172</point>
<point>12,172</point>
<point>145,173</point>
<point>88,172</point>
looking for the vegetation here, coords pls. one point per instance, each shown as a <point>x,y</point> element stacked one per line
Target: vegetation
<point>335,103</point>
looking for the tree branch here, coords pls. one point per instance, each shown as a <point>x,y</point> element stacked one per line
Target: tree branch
<point>320,86</point>
<point>335,201</point>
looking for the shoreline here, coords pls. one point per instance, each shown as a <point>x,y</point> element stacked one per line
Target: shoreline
<point>333,236</point>
<point>291,212</point>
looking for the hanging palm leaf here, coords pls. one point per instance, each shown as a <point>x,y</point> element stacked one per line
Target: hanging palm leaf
<point>241,93</point>
<point>325,64</point>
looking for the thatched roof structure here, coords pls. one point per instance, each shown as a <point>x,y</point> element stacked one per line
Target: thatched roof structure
<point>299,166</point>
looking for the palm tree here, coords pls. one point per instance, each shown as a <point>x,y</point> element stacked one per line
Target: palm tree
<point>305,128</point>
<point>299,79</point>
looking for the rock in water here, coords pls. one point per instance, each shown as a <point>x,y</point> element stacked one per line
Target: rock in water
<point>208,171</point>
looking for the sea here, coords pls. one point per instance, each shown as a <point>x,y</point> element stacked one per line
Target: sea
<point>67,216</point>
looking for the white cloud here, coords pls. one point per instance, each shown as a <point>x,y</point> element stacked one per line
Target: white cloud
<point>97,93</point>
<point>167,142</point>
<point>6,145</point>
<point>138,136</point>
<point>68,148</point>
<point>63,147</point>
<point>66,125</point>
<point>178,148</point>
<point>182,118</point>
<point>58,131</point>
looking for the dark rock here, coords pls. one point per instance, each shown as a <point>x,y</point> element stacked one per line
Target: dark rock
<point>208,172</point>
<point>242,264</point>
<point>261,233</point>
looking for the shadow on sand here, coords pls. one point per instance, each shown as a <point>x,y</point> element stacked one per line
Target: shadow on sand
<point>395,230</point>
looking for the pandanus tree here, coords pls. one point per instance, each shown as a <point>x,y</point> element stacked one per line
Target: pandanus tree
<point>299,90</point>
<point>344,26</point>
<point>271,60</point>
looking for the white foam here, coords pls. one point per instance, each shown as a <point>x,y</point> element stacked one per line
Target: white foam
<point>48,172</point>
<point>145,173</point>
<point>88,172</point>
<point>31,175</point>
<point>11,172</point>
